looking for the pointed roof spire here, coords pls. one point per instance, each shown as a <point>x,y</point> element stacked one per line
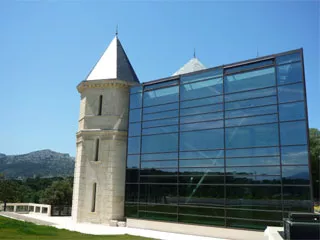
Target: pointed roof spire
<point>194,53</point>
<point>193,65</point>
<point>117,30</point>
<point>113,64</point>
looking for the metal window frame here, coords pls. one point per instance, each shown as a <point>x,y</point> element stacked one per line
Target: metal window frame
<point>225,206</point>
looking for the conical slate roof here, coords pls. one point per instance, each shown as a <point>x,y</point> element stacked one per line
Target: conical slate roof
<point>114,64</point>
<point>193,65</point>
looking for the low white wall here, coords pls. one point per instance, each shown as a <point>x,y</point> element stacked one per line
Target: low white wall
<point>216,232</point>
<point>27,208</point>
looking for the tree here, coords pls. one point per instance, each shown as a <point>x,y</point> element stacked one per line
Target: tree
<point>8,190</point>
<point>59,193</point>
<point>314,141</point>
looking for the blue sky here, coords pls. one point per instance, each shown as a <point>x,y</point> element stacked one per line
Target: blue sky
<point>48,47</point>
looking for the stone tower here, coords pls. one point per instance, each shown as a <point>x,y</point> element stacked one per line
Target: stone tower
<point>99,176</point>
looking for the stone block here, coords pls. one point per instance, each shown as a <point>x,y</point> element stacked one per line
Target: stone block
<point>122,224</point>
<point>113,223</point>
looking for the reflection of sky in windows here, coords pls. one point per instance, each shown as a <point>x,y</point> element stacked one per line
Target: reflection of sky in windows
<point>253,74</point>
<point>294,155</point>
<point>299,172</point>
<point>200,165</point>
<point>250,94</point>
<point>207,88</point>
<point>202,76</point>
<point>289,73</point>
<point>160,96</point>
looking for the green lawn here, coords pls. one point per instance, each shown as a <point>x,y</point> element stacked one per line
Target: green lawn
<point>14,229</point>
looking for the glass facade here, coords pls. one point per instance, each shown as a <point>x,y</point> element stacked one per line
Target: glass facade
<point>226,146</point>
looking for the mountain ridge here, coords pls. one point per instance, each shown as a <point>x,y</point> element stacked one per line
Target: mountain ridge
<point>43,163</point>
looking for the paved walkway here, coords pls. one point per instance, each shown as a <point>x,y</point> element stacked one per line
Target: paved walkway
<point>98,229</point>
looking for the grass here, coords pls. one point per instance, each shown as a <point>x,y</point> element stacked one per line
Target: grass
<point>13,229</point>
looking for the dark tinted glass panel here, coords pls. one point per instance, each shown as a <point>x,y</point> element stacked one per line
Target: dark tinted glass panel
<point>251,111</point>
<point>159,130</point>
<point>289,93</point>
<point>295,175</point>
<point>201,125</point>
<point>201,102</point>
<point>133,161</point>
<point>132,192</point>
<point>202,163</point>
<point>158,193</point>
<point>219,212</point>
<point>294,155</point>
<point>201,154</point>
<point>159,156</point>
<point>201,76</point>
<point>203,89</point>
<point>160,85</point>
<point>250,94</point>
<point>252,136</point>
<point>132,175</point>
<point>131,209</point>
<point>297,205</point>
<point>168,217</point>
<point>159,171</point>
<point>153,116</point>
<point>253,161</point>
<point>136,100</point>
<point>202,171</point>
<point>159,164</point>
<point>158,216</point>
<point>161,96</point>
<point>289,73</point>
<point>198,110</point>
<point>292,111</point>
<point>253,152</point>
<point>134,129</point>
<point>162,122</point>
<point>288,58</point>
<point>251,202</point>
<point>295,192</point>
<point>274,170</point>
<point>251,214</point>
<point>251,120</point>
<point>248,66</point>
<point>198,179</point>
<point>254,193</point>
<point>135,115</point>
<point>161,108</point>
<point>200,140</point>
<point>250,80</point>
<point>293,133</point>
<point>202,117</point>
<point>201,220</point>
<point>259,225</point>
<point>160,143</point>
<point>249,179</point>
<point>133,145</point>
<point>251,103</point>
<point>135,89</point>
<point>158,179</point>
<point>158,208</point>
<point>201,195</point>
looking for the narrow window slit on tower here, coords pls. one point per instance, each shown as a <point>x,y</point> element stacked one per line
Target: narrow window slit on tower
<point>100,105</point>
<point>94,192</point>
<point>96,156</point>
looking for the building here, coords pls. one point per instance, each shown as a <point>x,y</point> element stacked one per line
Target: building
<point>224,146</point>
